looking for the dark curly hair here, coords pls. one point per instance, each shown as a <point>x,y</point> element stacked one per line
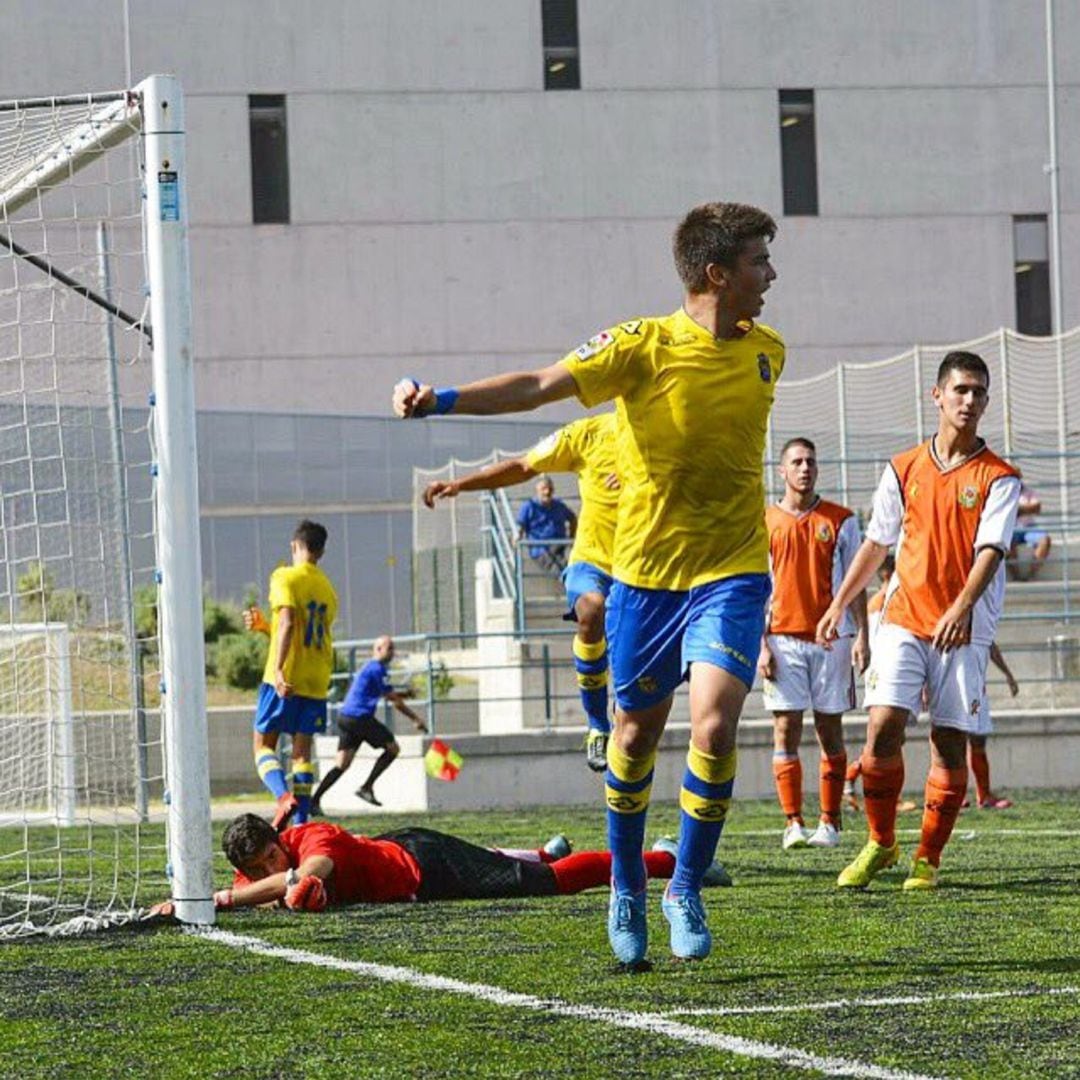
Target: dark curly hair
<point>245,838</point>
<point>715,233</point>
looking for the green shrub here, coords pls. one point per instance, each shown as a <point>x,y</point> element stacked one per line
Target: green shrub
<point>41,601</point>
<point>220,618</point>
<point>240,659</point>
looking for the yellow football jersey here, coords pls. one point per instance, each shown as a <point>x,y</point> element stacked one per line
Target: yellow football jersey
<point>693,413</point>
<point>307,590</point>
<point>586,447</point>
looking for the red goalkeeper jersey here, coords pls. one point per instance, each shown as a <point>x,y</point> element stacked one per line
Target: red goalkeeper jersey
<point>365,870</point>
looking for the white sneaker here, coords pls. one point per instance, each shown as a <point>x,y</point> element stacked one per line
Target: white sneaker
<point>825,835</point>
<point>794,836</point>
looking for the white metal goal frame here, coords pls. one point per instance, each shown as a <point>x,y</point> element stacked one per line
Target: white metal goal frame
<point>42,162</point>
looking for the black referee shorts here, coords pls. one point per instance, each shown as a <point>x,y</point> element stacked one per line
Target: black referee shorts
<point>354,730</point>
<point>453,869</point>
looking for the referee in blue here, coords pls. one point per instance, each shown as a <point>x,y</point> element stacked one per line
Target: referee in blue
<point>357,723</point>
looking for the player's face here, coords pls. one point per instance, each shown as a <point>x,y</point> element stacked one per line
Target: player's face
<point>273,860</point>
<point>545,493</point>
<point>962,400</point>
<point>744,286</point>
<point>799,470</point>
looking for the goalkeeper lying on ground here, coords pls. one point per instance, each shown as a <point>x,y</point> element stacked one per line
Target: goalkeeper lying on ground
<point>313,866</point>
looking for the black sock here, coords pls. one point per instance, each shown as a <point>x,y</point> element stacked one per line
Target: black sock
<point>326,782</point>
<point>382,763</point>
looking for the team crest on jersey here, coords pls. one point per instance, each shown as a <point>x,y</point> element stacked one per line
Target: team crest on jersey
<point>595,344</point>
<point>764,367</point>
<point>968,497</point>
<point>823,533</point>
<point>647,684</point>
<point>913,489</point>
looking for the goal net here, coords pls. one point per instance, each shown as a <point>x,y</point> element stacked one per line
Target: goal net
<point>104,799</point>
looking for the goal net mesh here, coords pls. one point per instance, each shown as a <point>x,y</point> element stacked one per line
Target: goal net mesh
<point>80,749</point>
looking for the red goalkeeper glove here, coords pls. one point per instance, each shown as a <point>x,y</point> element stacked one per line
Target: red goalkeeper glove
<point>308,894</point>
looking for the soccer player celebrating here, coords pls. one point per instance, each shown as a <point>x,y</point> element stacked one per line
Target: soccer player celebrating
<point>585,447</point>
<point>318,865</point>
<point>811,543</point>
<point>292,697</point>
<point>693,391</point>
<point>949,505</point>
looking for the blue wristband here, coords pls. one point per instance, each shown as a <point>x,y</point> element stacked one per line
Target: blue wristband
<point>445,400</point>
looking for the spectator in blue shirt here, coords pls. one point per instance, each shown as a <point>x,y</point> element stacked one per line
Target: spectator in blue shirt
<point>547,518</point>
<point>357,723</point>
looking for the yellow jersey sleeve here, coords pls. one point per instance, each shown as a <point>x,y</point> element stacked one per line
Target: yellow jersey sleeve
<point>608,364</point>
<point>557,452</point>
<point>282,593</point>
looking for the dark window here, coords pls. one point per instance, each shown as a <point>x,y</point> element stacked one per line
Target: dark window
<point>798,152</point>
<point>269,159</point>
<point>562,69</point>
<point>1031,269</point>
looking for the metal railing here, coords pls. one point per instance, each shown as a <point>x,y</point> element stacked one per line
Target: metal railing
<point>445,672</point>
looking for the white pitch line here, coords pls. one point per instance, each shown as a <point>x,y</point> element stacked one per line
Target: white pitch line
<point>872,1003</point>
<point>652,1023</point>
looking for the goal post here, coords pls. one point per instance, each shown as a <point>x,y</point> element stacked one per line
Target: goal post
<point>99,515</point>
<point>180,578</point>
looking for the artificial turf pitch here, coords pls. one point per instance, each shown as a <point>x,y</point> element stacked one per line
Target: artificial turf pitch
<point>162,1002</point>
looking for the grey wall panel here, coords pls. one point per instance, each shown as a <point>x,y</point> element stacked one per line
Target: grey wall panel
<point>500,157</point>
<point>930,151</point>
<point>219,160</point>
<point>429,289</point>
<point>852,280</point>
<point>639,43</point>
<point>278,46</point>
<point>55,47</point>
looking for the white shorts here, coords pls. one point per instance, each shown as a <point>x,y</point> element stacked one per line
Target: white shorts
<point>901,664</point>
<point>809,676</point>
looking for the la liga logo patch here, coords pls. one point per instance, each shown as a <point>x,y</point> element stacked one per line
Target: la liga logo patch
<point>595,344</point>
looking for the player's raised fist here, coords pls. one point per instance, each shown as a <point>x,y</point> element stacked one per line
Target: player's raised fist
<point>255,621</point>
<point>308,894</point>
<point>439,489</point>
<point>413,399</point>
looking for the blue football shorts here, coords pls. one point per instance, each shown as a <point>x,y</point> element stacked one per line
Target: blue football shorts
<point>580,578</point>
<point>294,715</point>
<point>654,635</point>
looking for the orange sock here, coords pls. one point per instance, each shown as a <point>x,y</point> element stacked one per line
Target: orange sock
<point>788,772</point>
<point>945,790</point>
<point>831,786</point>
<point>980,766</point>
<point>883,780</point>
<point>853,771</point>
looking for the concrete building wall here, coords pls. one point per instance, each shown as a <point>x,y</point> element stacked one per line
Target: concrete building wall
<point>450,217</point>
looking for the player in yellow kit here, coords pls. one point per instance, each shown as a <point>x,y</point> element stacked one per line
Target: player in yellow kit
<point>693,391</point>
<point>585,447</point>
<point>296,680</point>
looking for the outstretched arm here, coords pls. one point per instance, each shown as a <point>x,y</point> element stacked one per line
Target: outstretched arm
<point>500,474</point>
<point>397,699</point>
<point>519,391</point>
